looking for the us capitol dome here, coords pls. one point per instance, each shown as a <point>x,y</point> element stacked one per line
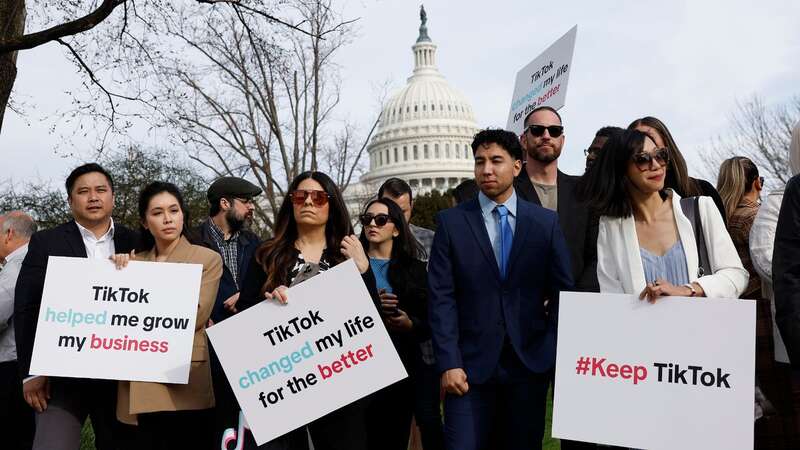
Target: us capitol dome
<point>425,130</point>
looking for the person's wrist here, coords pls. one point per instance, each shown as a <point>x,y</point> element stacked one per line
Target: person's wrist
<point>691,289</point>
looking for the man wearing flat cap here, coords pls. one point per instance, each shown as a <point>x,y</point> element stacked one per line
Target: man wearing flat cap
<point>231,207</point>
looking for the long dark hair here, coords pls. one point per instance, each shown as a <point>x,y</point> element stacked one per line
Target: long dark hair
<point>605,185</point>
<point>276,255</point>
<point>146,239</point>
<point>678,176</point>
<point>404,246</point>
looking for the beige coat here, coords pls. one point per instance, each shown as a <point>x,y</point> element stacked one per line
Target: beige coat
<point>137,397</point>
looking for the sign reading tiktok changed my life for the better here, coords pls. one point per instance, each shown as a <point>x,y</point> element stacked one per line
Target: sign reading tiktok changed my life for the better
<point>133,324</point>
<point>290,364</point>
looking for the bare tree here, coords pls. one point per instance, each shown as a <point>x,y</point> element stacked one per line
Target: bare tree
<point>128,31</point>
<point>246,99</point>
<point>760,133</point>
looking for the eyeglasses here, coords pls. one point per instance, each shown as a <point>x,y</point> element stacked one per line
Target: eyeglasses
<point>644,160</point>
<point>538,130</point>
<point>245,201</point>
<point>318,198</point>
<point>380,219</point>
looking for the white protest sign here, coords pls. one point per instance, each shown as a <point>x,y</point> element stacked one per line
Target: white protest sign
<point>543,82</point>
<point>675,374</point>
<point>133,324</point>
<point>290,364</point>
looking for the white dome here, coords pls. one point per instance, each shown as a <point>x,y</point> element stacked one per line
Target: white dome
<point>425,130</point>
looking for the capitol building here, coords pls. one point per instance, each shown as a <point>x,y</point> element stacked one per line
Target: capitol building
<point>424,133</point>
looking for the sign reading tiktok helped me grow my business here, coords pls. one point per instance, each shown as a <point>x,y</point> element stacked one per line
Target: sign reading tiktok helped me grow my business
<point>290,364</point>
<point>133,324</point>
<point>543,82</point>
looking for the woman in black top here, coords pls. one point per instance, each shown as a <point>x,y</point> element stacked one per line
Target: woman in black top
<point>678,178</point>
<point>313,233</point>
<point>401,281</point>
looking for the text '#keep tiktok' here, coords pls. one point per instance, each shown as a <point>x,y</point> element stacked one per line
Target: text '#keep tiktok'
<point>666,372</point>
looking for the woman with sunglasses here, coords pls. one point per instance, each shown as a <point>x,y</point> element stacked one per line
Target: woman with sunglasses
<point>678,178</point>
<point>401,281</point>
<point>740,186</point>
<point>645,244</point>
<point>312,233</point>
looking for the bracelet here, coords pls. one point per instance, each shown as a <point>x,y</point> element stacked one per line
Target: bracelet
<point>691,287</point>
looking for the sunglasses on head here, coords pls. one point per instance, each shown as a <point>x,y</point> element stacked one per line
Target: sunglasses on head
<point>644,160</point>
<point>318,198</point>
<point>538,130</point>
<point>380,219</point>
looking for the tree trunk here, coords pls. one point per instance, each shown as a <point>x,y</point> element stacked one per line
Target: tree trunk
<point>12,23</point>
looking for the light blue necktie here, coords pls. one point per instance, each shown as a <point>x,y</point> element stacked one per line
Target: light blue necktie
<point>506,236</point>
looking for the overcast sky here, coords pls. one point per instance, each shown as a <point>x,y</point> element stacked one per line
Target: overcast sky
<point>686,62</point>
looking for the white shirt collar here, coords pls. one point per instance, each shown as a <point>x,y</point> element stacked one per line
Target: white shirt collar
<point>89,235</point>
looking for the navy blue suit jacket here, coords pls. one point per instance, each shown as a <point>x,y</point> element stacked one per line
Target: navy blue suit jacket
<point>472,309</point>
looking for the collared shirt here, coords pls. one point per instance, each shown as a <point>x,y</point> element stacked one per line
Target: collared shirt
<point>8,281</point>
<point>102,248</point>
<point>492,220</point>
<point>229,249</point>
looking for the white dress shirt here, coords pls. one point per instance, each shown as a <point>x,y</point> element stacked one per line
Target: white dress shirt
<point>102,248</point>
<point>8,282</point>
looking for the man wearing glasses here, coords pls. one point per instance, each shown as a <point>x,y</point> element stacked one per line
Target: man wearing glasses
<point>225,231</point>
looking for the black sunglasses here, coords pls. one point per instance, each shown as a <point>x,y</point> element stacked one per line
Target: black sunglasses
<point>644,160</point>
<point>380,219</point>
<point>538,130</point>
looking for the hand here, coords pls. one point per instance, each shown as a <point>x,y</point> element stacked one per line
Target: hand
<point>278,294</point>
<point>454,381</point>
<point>663,288</point>
<point>210,323</point>
<point>352,249</point>
<point>399,321</point>
<point>230,303</point>
<point>37,392</point>
<point>121,259</point>
<point>388,302</point>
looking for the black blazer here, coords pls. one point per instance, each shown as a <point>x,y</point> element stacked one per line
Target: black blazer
<point>63,240</point>
<point>786,270</point>
<point>577,222</point>
<point>411,287</point>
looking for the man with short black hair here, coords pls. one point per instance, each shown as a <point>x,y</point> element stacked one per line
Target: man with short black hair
<point>600,138</point>
<point>16,417</point>
<point>63,404</point>
<point>399,192</point>
<point>493,305</point>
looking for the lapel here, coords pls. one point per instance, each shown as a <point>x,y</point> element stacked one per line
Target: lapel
<point>524,187</point>
<point>180,254</point>
<point>523,225</point>
<point>74,239</point>
<point>633,253</point>
<point>686,235</point>
<point>564,189</point>
<point>474,218</point>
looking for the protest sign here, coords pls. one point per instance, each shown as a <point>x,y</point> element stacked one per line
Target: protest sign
<point>543,82</point>
<point>133,324</point>
<point>675,374</point>
<point>290,364</point>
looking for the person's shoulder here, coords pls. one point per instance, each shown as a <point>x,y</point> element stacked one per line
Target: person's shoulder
<point>205,255</point>
<point>251,237</point>
<point>793,186</point>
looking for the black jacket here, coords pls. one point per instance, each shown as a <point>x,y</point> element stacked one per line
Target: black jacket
<point>411,288</point>
<point>248,243</point>
<point>786,270</point>
<point>63,240</point>
<point>577,223</point>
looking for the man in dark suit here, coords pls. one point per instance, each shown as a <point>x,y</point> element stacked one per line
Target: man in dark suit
<point>62,404</point>
<point>542,183</point>
<point>786,272</point>
<point>497,265</point>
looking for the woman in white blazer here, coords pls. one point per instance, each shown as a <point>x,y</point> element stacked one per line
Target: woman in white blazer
<point>645,244</point>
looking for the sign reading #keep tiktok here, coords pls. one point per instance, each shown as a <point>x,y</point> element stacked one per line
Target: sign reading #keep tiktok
<point>679,373</point>
<point>291,364</point>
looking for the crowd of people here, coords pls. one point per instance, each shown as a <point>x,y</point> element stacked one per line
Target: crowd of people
<point>471,309</point>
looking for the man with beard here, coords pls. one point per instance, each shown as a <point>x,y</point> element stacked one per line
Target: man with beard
<point>225,231</point>
<point>542,183</point>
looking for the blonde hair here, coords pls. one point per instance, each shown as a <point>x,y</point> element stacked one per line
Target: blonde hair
<point>736,177</point>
